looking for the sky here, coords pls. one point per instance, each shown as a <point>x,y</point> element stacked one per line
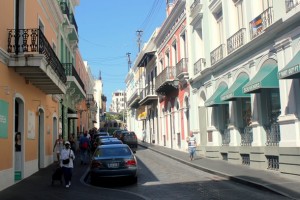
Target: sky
<point>108,31</point>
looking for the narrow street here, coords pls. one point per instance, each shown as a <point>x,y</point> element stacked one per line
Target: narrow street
<point>161,177</point>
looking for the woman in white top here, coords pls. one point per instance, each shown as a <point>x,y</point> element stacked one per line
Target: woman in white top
<point>67,153</point>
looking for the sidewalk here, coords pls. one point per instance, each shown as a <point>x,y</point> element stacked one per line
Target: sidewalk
<point>262,179</point>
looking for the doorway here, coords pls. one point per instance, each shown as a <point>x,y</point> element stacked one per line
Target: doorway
<point>41,145</point>
<point>19,139</point>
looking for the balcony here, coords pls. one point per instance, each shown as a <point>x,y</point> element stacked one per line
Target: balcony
<point>199,66</point>
<point>133,101</point>
<point>74,81</point>
<point>164,82</point>
<point>195,8</point>
<point>236,41</point>
<point>148,95</point>
<point>217,54</point>
<point>70,22</point>
<point>182,69</point>
<point>261,22</point>
<point>32,57</point>
<point>291,4</point>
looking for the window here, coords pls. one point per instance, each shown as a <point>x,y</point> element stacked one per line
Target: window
<point>174,53</point>
<point>219,19</point>
<point>239,10</point>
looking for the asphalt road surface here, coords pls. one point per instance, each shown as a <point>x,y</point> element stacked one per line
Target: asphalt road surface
<point>162,178</point>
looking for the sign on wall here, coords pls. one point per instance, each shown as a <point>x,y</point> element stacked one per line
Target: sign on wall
<point>3,119</point>
<point>31,125</point>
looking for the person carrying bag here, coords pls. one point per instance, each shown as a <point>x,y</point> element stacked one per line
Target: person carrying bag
<point>67,157</point>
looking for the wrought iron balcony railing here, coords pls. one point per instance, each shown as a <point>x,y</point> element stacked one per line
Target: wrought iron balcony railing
<point>33,40</point>
<point>65,10</point>
<point>73,21</point>
<point>71,71</point>
<point>236,40</point>
<point>261,22</point>
<point>246,136</point>
<point>273,134</point>
<point>290,4</point>
<point>217,54</point>
<point>199,66</point>
<point>182,67</point>
<point>225,137</point>
<point>168,74</point>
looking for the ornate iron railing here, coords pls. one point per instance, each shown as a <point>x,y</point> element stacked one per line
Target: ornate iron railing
<point>261,22</point>
<point>236,40</point>
<point>290,4</point>
<point>167,74</point>
<point>246,136</point>
<point>225,137</point>
<point>273,134</point>
<point>194,6</point>
<point>199,66</point>
<point>182,66</point>
<point>273,162</point>
<point>65,8</point>
<point>217,54</point>
<point>73,21</point>
<point>33,40</point>
<point>245,159</point>
<point>71,71</point>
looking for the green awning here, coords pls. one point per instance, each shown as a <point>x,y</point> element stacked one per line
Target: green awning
<point>215,99</point>
<point>292,69</point>
<point>266,78</point>
<point>236,90</point>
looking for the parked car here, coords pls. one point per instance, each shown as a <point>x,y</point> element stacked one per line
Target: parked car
<point>117,133</point>
<point>129,138</point>
<point>112,161</point>
<point>107,141</point>
<point>96,141</point>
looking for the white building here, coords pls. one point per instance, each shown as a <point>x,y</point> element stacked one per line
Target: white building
<point>243,73</point>
<point>118,101</point>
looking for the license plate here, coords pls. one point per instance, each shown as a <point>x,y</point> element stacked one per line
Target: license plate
<point>113,165</point>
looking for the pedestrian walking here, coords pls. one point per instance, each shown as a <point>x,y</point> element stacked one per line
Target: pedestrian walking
<point>66,162</point>
<point>191,145</point>
<point>58,146</point>
<point>144,135</point>
<point>84,145</point>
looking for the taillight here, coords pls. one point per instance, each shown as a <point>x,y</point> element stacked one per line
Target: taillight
<point>130,162</point>
<point>96,164</point>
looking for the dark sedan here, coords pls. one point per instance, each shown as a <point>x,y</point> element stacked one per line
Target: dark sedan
<point>113,161</point>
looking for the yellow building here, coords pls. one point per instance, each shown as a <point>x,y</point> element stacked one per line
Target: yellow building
<point>37,39</point>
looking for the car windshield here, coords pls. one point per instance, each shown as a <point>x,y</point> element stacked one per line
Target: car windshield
<point>119,151</point>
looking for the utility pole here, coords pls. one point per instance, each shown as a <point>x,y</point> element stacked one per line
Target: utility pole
<point>139,35</point>
<point>129,61</point>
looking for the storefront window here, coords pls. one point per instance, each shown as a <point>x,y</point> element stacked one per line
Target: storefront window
<point>273,105</point>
